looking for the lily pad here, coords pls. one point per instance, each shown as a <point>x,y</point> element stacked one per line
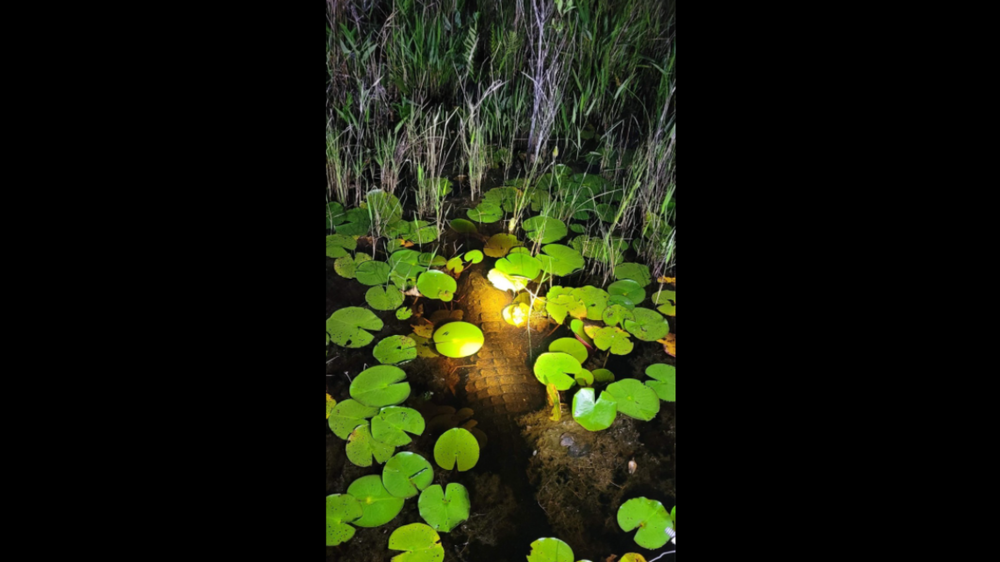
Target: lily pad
<point>560,301</point>
<point>560,260</point>
<point>330,405</point>
<point>380,386</point>
<point>594,415</point>
<point>394,350</point>
<point>505,197</point>
<point>384,206</point>
<point>404,274</point>
<point>614,339</point>
<point>635,399</point>
<point>391,425</point>
<point>384,298</point>
<point>628,289</point>
<point>651,518</point>
<point>603,375</point>
<point>444,510</point>
<point>347,326</point>
<point>634,271</point>
<point>558,369</point>
<point>632,557</point>
<point>544,229</point>
<point>595,299</point>
<point>571,346</point>
<point>463,226</point>
<point>521,265</point>
<point>435,284</point>
<point>455,265</point>
<point>345,266</point>
<point>356,223</point>
<point>616,314</point>
<point>475,256</point>
<point>576,325</point>
<point>584,377</point>
<point>334,214</point>
<point>420,543</point>
<point>373,273</point>
<point>341,509</point>
<point>403,313</point>
<point>505,282</point>
<point>406,474</point>
<point>456,447</point>
<point>665,383</point>
<point>666,300</point>
<point>458,339</point>
<point>499,244</point>
<point>485,212</point>
<point>550,550</point>
<point>378,504</point>
<point>647,325</point>
<point>428,259</point>
<point>337,245</point>
<point>424,347</point>
<point>348,415</point>
<point>361,447</point>
<point>516,314</point>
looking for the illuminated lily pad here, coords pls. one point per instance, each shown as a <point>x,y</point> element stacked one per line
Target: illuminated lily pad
<point>505,282</point>
<point>665,381</point>
<point>455,265</point>
<point>456,447</point>
<point>635,399</point>
<point>544,229</point>
<point>435,284</point>
<point>347,326</point>
<point>562,301</point>
<point>650,517</point>
<point>337,245</point>
<point>345,266</point>
<point>395,349</point>
<point>384,298</point>
<point>628,289</point>
<point>334,214</point>
<point>341,509</point>
<point>378,504</point>
<point>499,244</point>
<point>521,265</point>
<point>406,474</point>
<point>391,425</point>
<point>634,271</point>
<point>458,339</point>
<point>444,510</point>
<point>571,346</point>
<point>613,339</point>
<point>380,386</point>
<point>419,542</point>
<point>347,415</point>
<point>647,325</point>
<point>558,369</point>
<point>356,223</point>
<point>474,256</point>
<point>594,415</point>
<point>632,557</point>
<point>595,299</point>
<point>505,197</point>
<point>550,550</point>
<point>463,226</point>
<point>516,314</point>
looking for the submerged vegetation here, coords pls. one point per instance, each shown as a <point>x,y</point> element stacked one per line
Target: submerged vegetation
<point>501,213</point>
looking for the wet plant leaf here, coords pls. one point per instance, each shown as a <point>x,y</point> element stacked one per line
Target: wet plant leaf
<point>391,425</point>
<point>435,284</point>
<point>505,197</point>
<point>373,273</point>
<point>378,505</point>
<point>485,212</point>
<point>458,339</point>
<point>560,260</point>
<point>499,244</point>
<point>616,314</point>
<point>463,226</point>
<point>595,299</point>
<point>621,300</point>
<point>552,395</point>
<point>384,298</point>
<point>394,350</point>
<point>594,415</point>
<point>544,229</point>
<point>356,223</point>
<point>505,282</point>
<point>635,399</point>
<point>337,245</point>
<point>646,325</point>
<point>341,509</point>
<point>613,339</point>
<point>443,509</point>
<point>571,346</point>
<point>334,214</point>
<point>550,550</point>
<point>428,259</point>
<point>584,378</point>
<point>650,517</point>
<point>634,271</point>
<point>347,326</point>
<point>456,447</point>
<point>405,474</point>
<point>361,447</point>
<point>520,265</point>
<point>669,345</point>
<point>384,206</point>
<point>455,265</point>
<point>603,375</point>
<point>560,301</point>
<point>424,347</point>
<point>420,543</point>
<point>474,256</point>
<point>628,289</point>
<point>380,386</point>
<point>347,415</point>
<point>666,300</point>
<point>404,313</point>
<point>345,266</point>
<point>665,381</point>
<point>558,369</point>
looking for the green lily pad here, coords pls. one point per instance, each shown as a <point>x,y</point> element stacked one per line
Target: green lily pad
<point>361,447</point>
<point>485,212</point>
<point>406,474</point>
<point>499,244</point>
<point>606,212</point>
<point>393,245</point>
<point>550,550</point>
<point>560,260</point>
<point>594,415</point>
<point>378,504</point>
<point>403,313</point>
<point>334,214</point>
<point>475,256</point>
<point>456,447</point>
<point>576,325</point>
<point>634,271</point>
<point>455,265</point>
<point>458,339</point>
<point>621,300</point>
<point>384,298</point>
<point>392,423</point>
<point>577,228</point>
<point>347,326</point>
<point>557,368</point>
<point>616,314</point>
<point>463,226</point>
<point>635,399</point>
<point>571,346</point>
<point>651,518</point>
<point>404,274</point>
<point>544,229</point>
<point>584,377</point>
<point>341,509</point>
<point>666,300</point>
<point>614,339</point>
<point>435,284</point>
<point>665,383</point>
<point>420,543</point>
<point>337,245</point>
<point>346,266</point>
<point>603,375</point>
<point>373,273</point>
<point>356,223</point>
<point>521,265</point>
<point>505,197</point>
<point>595,299</point>
<point>347,415</point>
<point>428,259</point>
<point>384,206</point>
<point>647,325</point>
<point>628,289</point>
<point>394,350</point>
<point>380,386</point>
<point>444,510</point>
<point>560,301</point>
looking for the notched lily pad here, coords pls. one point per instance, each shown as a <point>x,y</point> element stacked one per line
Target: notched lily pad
<point>665,381</point>
<point>384,298</point>
<point>635,399</point>
<point>544,229</point>
<point>499,244</point>
<point>346,266</point>
<point>571,346</point>
<point>613,339</point>
<point>394,350</point>
<point>647,325</point>
<point>391,425</point>
<point>406,474</point>
<point>650,517</point>
<point>373,273</point>
<point>378,504</point>
<point>628,289</point>
<point>361,447</point>
<point>444,509</point>
<point>456,447</point>
<point>380,386</point>
<point>550,550</point>
<point>337,245</point>
<point>347,415</point>
<point>634,271</point>
<point>347,326</point>
<point>558,369</point>
<point>435,284</point>
<point>341,509</point>
<point>420,543</point>
<point>458,339</point>
<point>594,415</point>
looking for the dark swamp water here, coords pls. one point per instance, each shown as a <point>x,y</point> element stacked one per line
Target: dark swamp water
<point>535,477</point>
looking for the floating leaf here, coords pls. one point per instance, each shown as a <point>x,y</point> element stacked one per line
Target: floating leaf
<point>420,543</point>
<point>520,265</point>
<point>648,325</point>
<point>463,226</point>
<point>392,423</point>
<point>380,386</point>
<point>560,260</point>
<point>505,197</point>
<point>455,265</point>
<point>334,214</point>
<point>378,504</point>
<point>544,229</point>
<point>635,399</point>
<point>444,510</point>
<point>406,474</point>
<point>665,299</point>
<point>614,339</point>
<point>505,282</point>
<point>628,289</point>
<point>394,350</point>
<point>651,518</point>
<point>516,314</point>
<point>622,301</point>
<point>485,212</point>
<point>577,326</point>
<point>665,383</point>
<point>404,313</point>
<point>584,378</point>
<point>616,314</point>
<point>424,347</point>
<point>428,259</point>
<point>423,328</point>
<point>338,244</point>
<point>435,284</point>
<point>384,298</point>
<point>557,369</point>
<point>669,345</point>
<point>475,256</point>
<point>595,299</point>
<point>404,274</point>
<point>356,223</point>
<point>499,244</point>
<point>458,339</point>
<point>330,405</point>
<point>633,557</point>
<point>634,271</point>
<point>345,266</point>
<point>456,446</point>
<point>347,415</point>
<point>560,301</point>
<point>341,509</point>
<point>594,416</point>
<point>373,273</point>
<point>571,346</point>
<point>550,550</point>
<point>603,375</point>
<point>347,326</point>
<point>384,206</point>
<point>361,447</point>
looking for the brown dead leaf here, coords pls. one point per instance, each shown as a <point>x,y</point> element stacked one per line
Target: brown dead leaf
<point>665,279</point>
<point>424,328</point>
<point>669,344</point>
<point>406,244</point>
